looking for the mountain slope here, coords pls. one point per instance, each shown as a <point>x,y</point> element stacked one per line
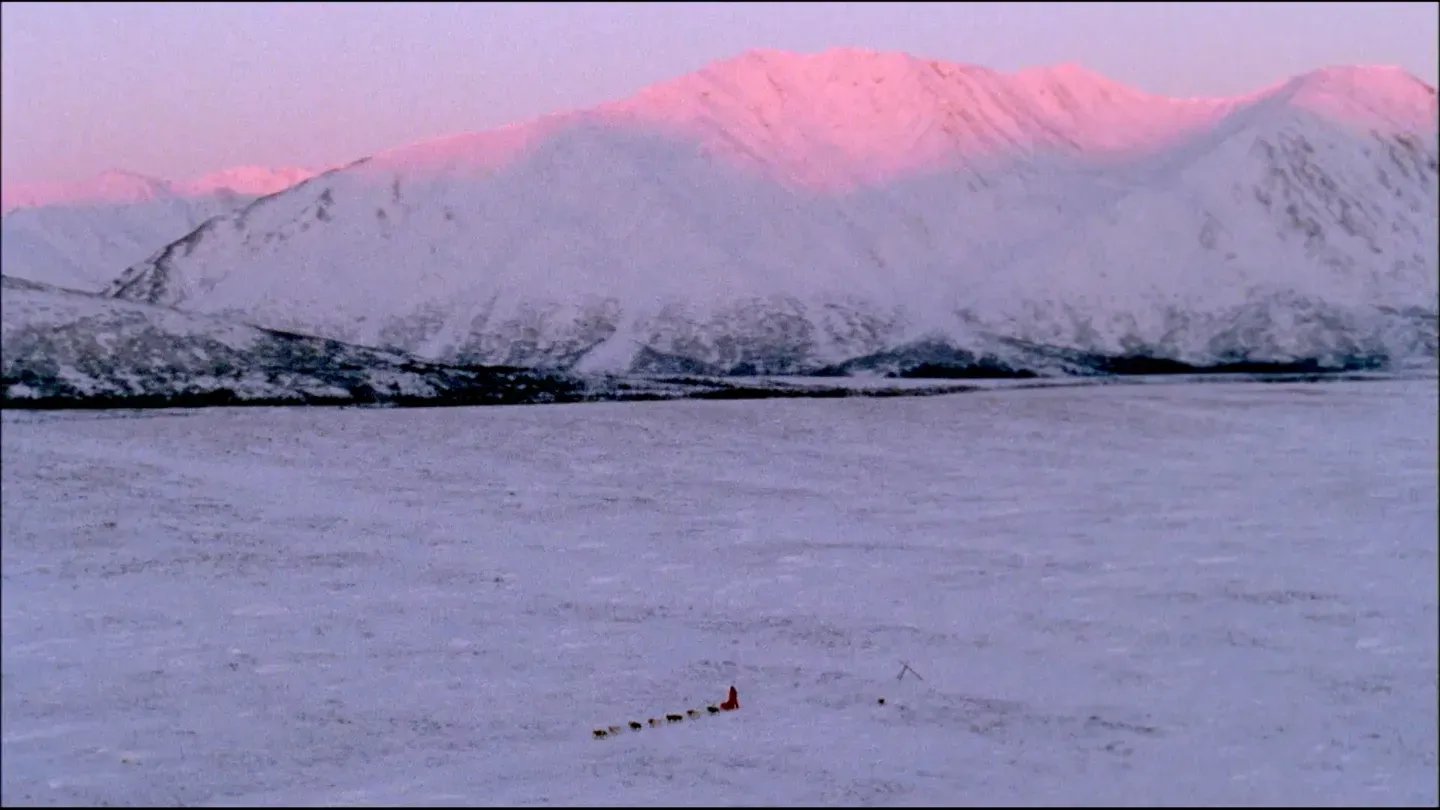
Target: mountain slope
<point>66,349</point>
<point>69,349</point>
<point>82,235</point>
<point>84,247</point>
<point>784,214</point>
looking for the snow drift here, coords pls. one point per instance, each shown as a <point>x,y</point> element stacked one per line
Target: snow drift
<point>846,211</point>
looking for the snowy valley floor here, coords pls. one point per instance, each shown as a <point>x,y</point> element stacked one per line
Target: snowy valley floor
<point>1173,594</point>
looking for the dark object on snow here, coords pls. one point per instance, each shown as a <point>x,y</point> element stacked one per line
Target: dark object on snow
<point>732,702</point>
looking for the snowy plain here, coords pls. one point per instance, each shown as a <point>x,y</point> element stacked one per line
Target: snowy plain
<point>1176,594</point>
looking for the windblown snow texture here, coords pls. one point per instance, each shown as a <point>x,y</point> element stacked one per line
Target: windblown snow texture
<point>1118,595</point>
<point>846,211</point>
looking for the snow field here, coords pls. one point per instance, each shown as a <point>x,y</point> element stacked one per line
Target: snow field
<point>1128,594</point>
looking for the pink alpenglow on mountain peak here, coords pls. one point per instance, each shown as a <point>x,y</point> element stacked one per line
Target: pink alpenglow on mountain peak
<point>777,213</point>
<point>112,186</point>
<point>257,180</point>
<point>468,152</point>
<point>117,187</point>
<point>847,116</point>
<point>1365,96</point>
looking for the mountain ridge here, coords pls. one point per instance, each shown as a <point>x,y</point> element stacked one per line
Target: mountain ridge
<point>954,213</point>
<point>119,186</point>
<point>69,349</point>
<point>676,103</point>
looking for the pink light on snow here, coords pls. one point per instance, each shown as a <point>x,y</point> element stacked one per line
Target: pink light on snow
<point>848,117</point>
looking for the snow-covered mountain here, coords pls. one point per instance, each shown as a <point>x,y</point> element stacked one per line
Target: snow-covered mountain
<point>781,214</point>
<point>113,187</point>
<point>83,247</point>
<point>67,349</point>
<point>82,235</point>
<point>255,181</point>
<point>63,348</point>
<point>117,187</point>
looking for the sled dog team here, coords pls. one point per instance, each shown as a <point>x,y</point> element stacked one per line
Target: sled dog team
<point>731,703</point>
